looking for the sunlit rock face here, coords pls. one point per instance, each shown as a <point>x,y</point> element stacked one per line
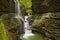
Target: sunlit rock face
<point>46,16</point>
<point>7,6</point>
<point>48,23</point>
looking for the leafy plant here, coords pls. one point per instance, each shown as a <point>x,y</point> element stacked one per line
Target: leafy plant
<point>27,5</point>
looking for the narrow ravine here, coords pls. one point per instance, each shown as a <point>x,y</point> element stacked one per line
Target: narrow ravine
<point>25,31</point>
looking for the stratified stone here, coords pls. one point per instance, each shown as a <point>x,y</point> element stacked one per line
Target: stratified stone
<point>7,6</point>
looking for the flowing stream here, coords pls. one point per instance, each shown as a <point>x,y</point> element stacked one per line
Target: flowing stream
<point>28,31</point>
<point>25,31</point>
<point>26,27</point>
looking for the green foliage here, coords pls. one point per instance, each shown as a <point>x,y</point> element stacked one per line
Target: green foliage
<point>3,35</point>
<point>28,10</point>
<point>27,4</point>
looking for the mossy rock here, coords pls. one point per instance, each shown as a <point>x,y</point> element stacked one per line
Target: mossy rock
<point>34,37</point>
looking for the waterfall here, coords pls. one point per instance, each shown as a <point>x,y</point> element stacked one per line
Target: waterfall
<point>27,30</point>
<point>17,9</point>
<point>19,18</point>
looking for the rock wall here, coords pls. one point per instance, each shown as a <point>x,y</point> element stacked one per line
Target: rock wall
<point>46,18</point>
<point>7,6</point>
<point>44,6</point>
<point>7,10</point>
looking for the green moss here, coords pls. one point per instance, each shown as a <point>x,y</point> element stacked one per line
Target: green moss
<point>35,37</point>
<point>3,35</point>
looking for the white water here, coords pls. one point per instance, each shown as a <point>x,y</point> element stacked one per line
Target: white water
<point>28,31</point>
<point>17,8</point>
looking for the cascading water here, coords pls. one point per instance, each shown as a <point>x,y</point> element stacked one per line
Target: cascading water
<point>19,18</point>
<point>17,8</point>
<point>27,30</point>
